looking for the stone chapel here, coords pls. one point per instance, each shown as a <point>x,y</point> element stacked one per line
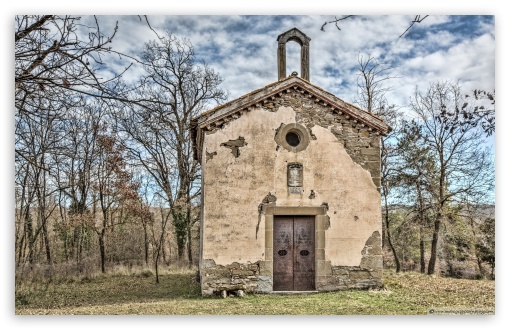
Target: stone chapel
<point>290,188</point>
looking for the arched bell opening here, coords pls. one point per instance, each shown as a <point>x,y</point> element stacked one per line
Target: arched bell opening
<point>304,41</point>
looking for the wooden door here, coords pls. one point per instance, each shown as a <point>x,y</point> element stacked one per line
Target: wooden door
<point>293,253</point>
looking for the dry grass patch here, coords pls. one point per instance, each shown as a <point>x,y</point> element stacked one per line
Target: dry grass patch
<point>178,294</point>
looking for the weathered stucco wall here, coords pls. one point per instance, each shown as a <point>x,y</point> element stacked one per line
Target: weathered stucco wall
<point>242,163</point>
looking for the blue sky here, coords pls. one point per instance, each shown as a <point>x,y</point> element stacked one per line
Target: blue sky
<point>242,48</point>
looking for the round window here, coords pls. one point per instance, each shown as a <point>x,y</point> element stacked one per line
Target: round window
<point>293,139</point>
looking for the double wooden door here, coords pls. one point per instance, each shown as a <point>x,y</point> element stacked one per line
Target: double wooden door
<point>293,253</point>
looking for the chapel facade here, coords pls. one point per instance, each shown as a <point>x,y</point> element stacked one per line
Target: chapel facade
<point>290,188</point>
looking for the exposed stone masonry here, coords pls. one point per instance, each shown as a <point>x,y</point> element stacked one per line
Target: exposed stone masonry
<point>359,140</point>
<point>237,277</point>
<point>234,277</point>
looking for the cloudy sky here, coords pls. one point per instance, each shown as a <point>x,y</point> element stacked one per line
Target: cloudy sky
<point>242,49</point>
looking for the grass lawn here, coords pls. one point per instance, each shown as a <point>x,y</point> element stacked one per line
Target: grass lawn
<point>178,294</point>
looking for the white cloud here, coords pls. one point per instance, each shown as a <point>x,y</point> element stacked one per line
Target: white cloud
<point>242,49</point>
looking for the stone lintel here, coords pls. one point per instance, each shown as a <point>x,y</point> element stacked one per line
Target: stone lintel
<point>295,210</point>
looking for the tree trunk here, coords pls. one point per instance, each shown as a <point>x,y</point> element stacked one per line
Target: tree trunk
<point>163,251</point>
<point>433,247</point>
<point>481,272</point>
<point>180,248</point>
<point>146,243</point>
<point>41,195</point>
<point>21,250</point>
<point>46,242</point>
<point>30,236</point>
<point>388,234</point>
<point>421,216</point>
<point>189,228</point>
<point>156,267</point>
<point>79,243</point>
<point>422,252</point>
<point>180,230</point>
<point>383,235</point>
<point>190,252</point>
<point>156,260</point>
<point>102,251</point>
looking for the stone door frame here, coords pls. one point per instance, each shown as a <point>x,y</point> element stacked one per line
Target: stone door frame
<point>322,267</point>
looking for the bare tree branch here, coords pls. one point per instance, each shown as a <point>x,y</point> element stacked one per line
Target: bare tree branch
<point>336,20</point>
<point>417,19</point>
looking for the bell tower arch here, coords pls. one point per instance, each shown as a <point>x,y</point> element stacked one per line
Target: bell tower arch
<point>304,41</point>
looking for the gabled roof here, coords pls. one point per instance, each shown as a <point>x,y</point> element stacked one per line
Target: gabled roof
<point>219,116</point>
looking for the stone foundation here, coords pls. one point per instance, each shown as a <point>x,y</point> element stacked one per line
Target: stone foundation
<point>257,277</point>
<point>233,277</point>
<point>246,277</point>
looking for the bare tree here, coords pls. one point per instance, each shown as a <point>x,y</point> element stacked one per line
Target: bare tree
<point>72,179</point>
<point>174,89</point>
<point>462,165</point>
<point>56,61</point>
<point>158,240</point>
<point>35,140</point>
<point>113,186</point>
<point>371,96</point>
<point>59,53</point>
<point>75,177</point>
<point>371,89</point>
